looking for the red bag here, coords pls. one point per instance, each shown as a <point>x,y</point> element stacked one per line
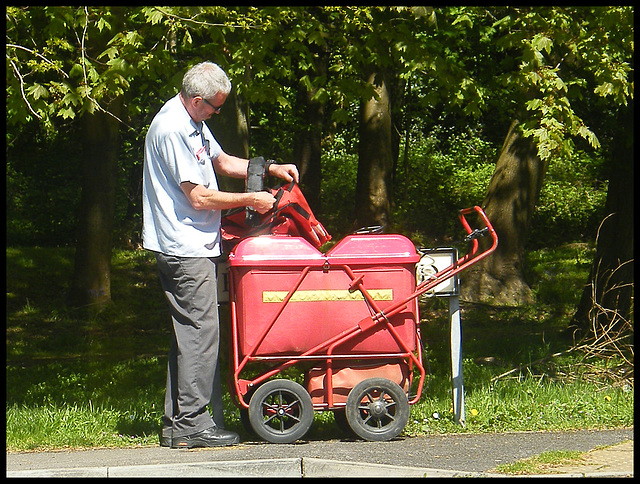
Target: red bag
<point>346,378</point>
<point>290,215</point>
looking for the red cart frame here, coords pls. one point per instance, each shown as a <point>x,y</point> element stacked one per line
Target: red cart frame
<point>380,384</point>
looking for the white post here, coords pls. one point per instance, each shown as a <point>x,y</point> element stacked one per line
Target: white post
<point>456,360</point>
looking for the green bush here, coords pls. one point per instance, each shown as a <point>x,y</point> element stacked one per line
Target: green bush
<point>572,201</point>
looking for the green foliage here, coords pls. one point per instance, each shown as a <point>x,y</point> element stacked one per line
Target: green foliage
<point>114,50</point>
<point>553,67</point>
<point>448,171</point>
<point>537,62</point>
<point>338,190</point>
<point>451,169</point>
<point>572,201</point>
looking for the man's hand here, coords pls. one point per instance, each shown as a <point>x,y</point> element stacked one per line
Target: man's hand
<point>262,202</point>
<point>287,172</point>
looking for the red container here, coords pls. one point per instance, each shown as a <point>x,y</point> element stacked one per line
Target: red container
<point>265,270</point>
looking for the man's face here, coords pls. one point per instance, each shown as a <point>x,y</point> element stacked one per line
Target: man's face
<point>205,108</point>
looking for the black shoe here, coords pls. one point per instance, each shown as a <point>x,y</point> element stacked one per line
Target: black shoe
<point>165,441</point>
<point>211,437</point>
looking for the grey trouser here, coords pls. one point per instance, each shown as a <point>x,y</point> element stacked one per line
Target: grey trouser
<point>193,376</point>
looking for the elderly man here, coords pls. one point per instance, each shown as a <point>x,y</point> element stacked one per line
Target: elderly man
<point>181,224</point>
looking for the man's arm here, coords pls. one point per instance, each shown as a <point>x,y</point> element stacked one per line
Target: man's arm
<point>202,198</point>
<point>235,167</point>
<point>231,166</point>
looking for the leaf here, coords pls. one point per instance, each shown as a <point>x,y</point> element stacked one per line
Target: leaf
<point>68,113</point>
<point>153,15</point>
<point>590,136</point>
<point>464,18</point>
<point>111,52</point>
<point>71,98</point>
<point>534,104</point>
<point>506,20</point>
<point>604,89</point>
<point>542,42</point>
<point>306,82</point>
<point>76,70</point>
<point>283,101</point>
<point>317,38</point>
<point>38,91</point>
<point>118,64</point>
<point>321,95</point>
<point>187,38</point>
<point>559,84</point>
<point>102,23</point>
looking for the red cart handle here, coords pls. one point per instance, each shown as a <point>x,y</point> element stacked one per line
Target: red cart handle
<point>473,235</point>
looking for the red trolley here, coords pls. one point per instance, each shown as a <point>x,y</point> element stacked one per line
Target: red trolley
<point>348,317</point>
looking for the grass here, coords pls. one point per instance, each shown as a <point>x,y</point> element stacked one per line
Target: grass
<point>81,378</point>
<point>541,464</point>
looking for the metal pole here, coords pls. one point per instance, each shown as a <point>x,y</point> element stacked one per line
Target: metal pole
<point>456,360</point>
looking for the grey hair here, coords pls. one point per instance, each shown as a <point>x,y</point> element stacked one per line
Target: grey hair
<point>205,80</point>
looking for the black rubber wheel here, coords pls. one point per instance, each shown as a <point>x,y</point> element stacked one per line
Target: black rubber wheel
<point>377,409</point>
<point>281,411</point>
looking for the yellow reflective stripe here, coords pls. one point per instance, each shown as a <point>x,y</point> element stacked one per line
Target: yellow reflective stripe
<point>326,295</point>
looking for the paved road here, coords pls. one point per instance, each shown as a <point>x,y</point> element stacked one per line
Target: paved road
<point>433,455</point>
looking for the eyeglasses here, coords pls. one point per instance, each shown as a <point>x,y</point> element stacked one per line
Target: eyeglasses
<point>215,109</point>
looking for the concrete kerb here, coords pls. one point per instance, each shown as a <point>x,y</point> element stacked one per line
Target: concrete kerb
<point>257,468</point>
<point>312,467</point>
<point>293,467</point>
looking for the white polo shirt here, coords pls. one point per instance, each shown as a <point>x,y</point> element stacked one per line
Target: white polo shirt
<point>177,150</point>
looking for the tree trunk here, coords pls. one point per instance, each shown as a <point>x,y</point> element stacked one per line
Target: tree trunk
<point>511,198</point>
<point>308,148</point>
<point>91,282</point>
<point>375,152</point>
<point>231,130</point>
<point>607,297</point>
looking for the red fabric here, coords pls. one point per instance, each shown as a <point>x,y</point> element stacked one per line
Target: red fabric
<point>290,215</point>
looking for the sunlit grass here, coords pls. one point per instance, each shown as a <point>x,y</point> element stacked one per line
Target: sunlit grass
<point>541,464</point>
<point>526,404</point>
<point>52,426</point>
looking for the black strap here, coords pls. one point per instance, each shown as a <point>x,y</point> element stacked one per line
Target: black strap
<point>254,183</point>
<point>255,175</point>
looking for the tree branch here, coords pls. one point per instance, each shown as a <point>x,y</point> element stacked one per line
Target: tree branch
<point>22,93</point>
<point>33,52</point>
<point>200,22</point>
<point>84,71</point>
